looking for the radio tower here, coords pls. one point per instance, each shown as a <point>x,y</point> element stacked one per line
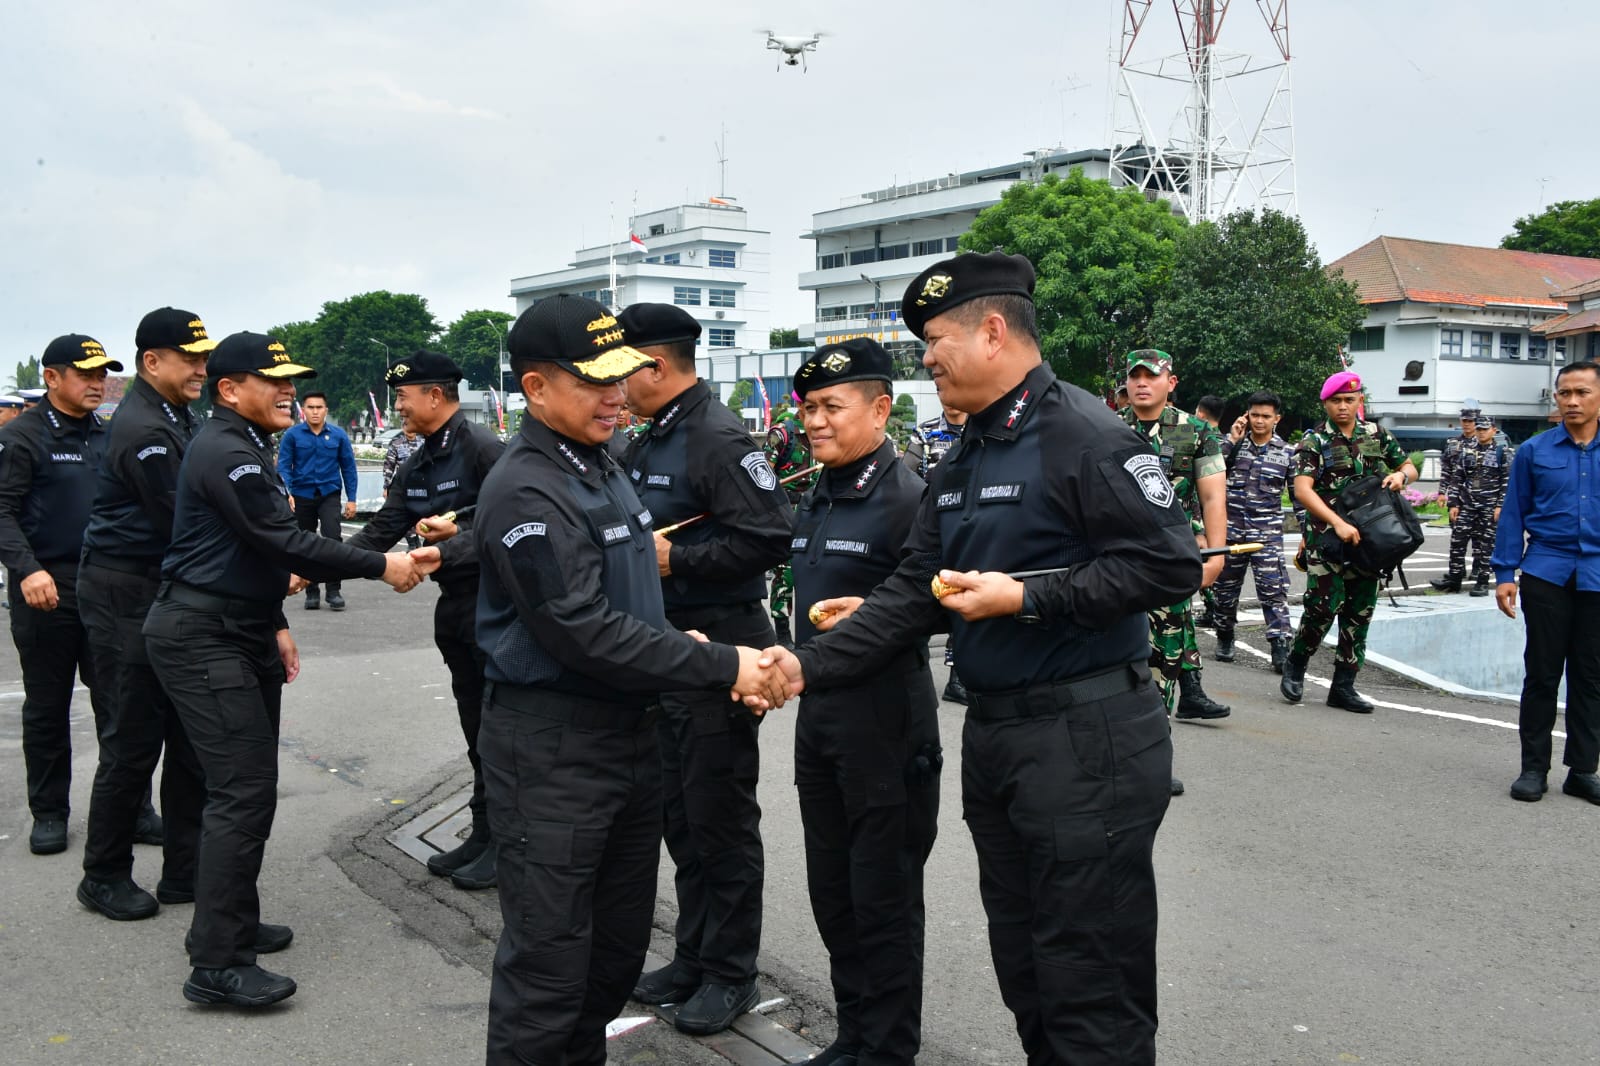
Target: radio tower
<point>1209,129</point>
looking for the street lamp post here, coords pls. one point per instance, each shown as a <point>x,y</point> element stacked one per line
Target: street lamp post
<point>500,359</point>
<point>387,362</point>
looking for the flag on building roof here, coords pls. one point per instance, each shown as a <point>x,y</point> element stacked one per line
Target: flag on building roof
<point>719,200</point>
<point>636,243</point>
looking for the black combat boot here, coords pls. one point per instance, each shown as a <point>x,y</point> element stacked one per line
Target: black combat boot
<point>1480,587</point>
<point>1280,653</point>
<point>1448,583</point>
<point>1343,694</point>
<point>1193,701</point>
<point>1224,645</point>
<point>1293,685</point>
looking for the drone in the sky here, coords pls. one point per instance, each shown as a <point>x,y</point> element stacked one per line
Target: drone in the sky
<point>794,48</point>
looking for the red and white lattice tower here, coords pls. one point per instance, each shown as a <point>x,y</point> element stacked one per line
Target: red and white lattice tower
<point>1209,129</point>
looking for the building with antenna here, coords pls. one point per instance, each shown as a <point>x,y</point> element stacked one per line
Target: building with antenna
<point>704,257</point>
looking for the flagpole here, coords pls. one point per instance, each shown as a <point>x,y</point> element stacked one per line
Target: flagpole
<point>611,247</point>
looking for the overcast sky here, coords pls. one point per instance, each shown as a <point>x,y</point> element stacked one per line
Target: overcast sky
<point>251,161</point>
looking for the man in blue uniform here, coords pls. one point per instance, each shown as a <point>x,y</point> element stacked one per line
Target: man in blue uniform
<point>443,475</point>
<point>49,456</point>
<point>1066,760</point>
<point>313,457</point>
<point>1451,465</point>
<point>867,755</point>
<point>570,618</point>
<point>1258,463</point>
<point>129,531</point>
<point>1485,468</point>
<point>696,461</point>
<point>221,648</point>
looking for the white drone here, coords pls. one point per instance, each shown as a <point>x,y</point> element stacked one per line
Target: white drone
<point>794,49</point>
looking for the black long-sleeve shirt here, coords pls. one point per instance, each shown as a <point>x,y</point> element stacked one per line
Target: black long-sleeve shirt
<point>696,458</point>
<point>445,472</point>
<point>569,597</point>
<point>48,464</point>
<point>1044,477</point>
<point>138,483</point>
<point>233,532</point>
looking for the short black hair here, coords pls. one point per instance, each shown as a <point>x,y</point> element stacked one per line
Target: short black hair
<point>1581,364</point>
<point>1018,311</point>
<point>214,396</point>
<point>1264,398</point>
<point>1210,404</point>
<point>308,397</point>
<point>679,353</point>
<point>545,368</point>
<point>872,388</point>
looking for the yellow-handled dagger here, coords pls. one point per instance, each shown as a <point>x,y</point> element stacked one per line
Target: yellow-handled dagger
<point>941,590</point>
<point>692,519</point>
<point>449,516</point>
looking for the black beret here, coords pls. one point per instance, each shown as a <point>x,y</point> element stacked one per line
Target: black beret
<point>952,282</point>
<point>857,359</point>
<point>647,324</point>
<point>424,368</point>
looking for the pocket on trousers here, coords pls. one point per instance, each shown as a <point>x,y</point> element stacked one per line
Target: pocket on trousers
<point>884,790</point>
<point>224,674</point>
<point>1131,736</point>
<point>1080,836</point>
<point>544,884</point>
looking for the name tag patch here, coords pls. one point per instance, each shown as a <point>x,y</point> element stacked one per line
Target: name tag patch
<point>240,471</point>
<point>527,529</point>
<point>66,457</point>
<point>798,544</point>
<point>1010,492</point>
<point>847,547</point>
<point>658,481</point>
<point>445,486</point>
<point>417,492</point>
<point>612,534</point>
<point>154,449</point>
<point>948,500</point>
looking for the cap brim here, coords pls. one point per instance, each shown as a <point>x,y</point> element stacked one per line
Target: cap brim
<point>611,365</point>
<point>199,346</point>
<point>286,370</point>
<point>95,362</point>
<point>1154,368</point>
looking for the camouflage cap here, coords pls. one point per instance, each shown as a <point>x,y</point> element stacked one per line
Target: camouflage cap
<point>1152,359</point>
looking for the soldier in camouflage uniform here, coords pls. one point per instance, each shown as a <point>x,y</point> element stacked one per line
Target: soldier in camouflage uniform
<point>1258,462</point>
<point>1191,457</point>
<point>929,441</point>
<point>1485,470</point>
<point>1328,458</point>
<point>789,452</point>
<point>1450,460</point>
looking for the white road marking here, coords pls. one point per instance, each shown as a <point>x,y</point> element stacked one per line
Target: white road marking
<point>619,1026</point>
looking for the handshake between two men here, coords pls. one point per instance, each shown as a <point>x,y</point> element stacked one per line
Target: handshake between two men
<point>405,570</point>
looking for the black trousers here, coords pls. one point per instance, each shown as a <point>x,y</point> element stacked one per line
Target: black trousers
<point>870,813</point>
<point>574,791</point>
<point>225,678</point>
<point>710,766</point>
<point>141,721</point>
<point>53,647</point>
<point>1063,810</point>
<point>1562,637</point>
<point>320,514</point>
<point>454,616</point>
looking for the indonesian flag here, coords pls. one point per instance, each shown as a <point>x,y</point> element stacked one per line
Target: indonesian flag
<point>499,411</point>
<point>766,404</point>
<point>636,244</point>
<point>299,414</point>
<point>377,415</point>
<point>717,200</point>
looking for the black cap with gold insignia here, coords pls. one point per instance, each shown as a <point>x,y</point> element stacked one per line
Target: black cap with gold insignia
<point>168,327</point>
<point>952,282</point>
<point>424,368</point>
<point>648,324</point>
<point>78,350</point>
<point>254,353</point>
<point>578,334</point>
<point>857,359</point>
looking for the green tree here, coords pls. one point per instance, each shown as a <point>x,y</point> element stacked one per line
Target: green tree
<point>28,375</point>
<point>783,338</point>
<point>1250,307</point>
<point>1103,256</point>
<point>902,417</point>
<point>346,345</point>
<point>739,398</point>
<point>1571,227</point>
<point>474,341</point>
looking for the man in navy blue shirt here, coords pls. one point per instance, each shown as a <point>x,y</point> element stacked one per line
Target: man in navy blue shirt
<point>1550,529</point>
<point>312,457</point>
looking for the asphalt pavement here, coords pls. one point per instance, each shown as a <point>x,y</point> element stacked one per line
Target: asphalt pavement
<point>1334,888</point>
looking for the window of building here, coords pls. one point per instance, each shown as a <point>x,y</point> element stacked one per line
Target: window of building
<point>894,251</point>
<point>1450,342</point>
<point>720,337</point>
<point>722,257</point>
<point>719,297</point>
<point>1482,344</point>
<point>1538,348</point>
<point>831,261</point>
<point>1558,348</point>
<point>652,259</point>
<point>686,295</point>
<point>832,314</point>
<point>605,297</point>
<point>863,255</point>
<point>658,230</point>
<point>1369,339</point>
<point>588,294</point>
<point>671,259</point>
<point>1511,346</point>
<point>952,244</point>
<point>933,247</point>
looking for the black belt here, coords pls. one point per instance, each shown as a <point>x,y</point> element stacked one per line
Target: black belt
<point>575,710</point>
<point>707,614</point>
<point>189,596</point>
<point>149,570</point>
<point>1053,697</point>
<point>460,586</point>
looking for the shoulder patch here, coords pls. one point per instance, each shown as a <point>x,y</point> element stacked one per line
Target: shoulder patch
<point>240,471</point>
<point>154,449</point>
<point>527,529</point>
<point>1145,469</point>
<point>755,464</point>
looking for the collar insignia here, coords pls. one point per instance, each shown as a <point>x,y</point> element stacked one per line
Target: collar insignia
<point>1016,409</point>
<point>866,475</point>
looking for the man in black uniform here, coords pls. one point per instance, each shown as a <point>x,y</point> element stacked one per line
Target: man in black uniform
<point>442,477</point>
<point>697,460</point>
<point>578,646</point>
<point>1066,759</point>
<point>48,458</point>
<point>866,756</point>
<point>220,646</point>
<point>129,531</point>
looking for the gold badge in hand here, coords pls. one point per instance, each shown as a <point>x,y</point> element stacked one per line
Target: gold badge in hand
<point>941,590</point>
<point>817,614</point>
